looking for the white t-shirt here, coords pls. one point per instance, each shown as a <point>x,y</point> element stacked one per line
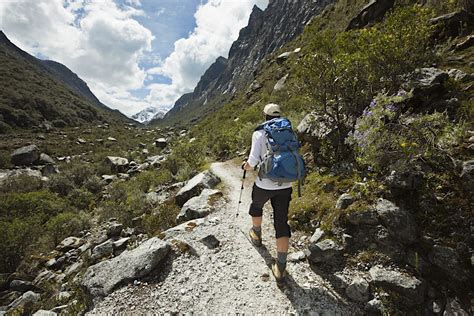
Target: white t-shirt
<point>257,152</point>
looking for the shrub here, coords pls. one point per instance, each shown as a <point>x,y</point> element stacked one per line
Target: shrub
<point>21,183</point>
<point>67,224</point>
<point>94,184</point>
<point>342,72</point>
<point>389,138</point>
<point>150,180</point>
<point>81,199</point>
<point>161,219</point>
<point>17,236</point>
<point>61,184</point>
<point>5,160</point>
<point>43,204</point>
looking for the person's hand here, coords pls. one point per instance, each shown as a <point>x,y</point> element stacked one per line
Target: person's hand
<point>243,165</point>
<point>247,166</point>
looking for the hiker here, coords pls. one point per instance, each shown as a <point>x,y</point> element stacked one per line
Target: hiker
<point>267,188</point>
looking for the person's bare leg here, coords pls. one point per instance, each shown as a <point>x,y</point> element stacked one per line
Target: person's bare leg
<point>282,244</point>
<point>257,221</point>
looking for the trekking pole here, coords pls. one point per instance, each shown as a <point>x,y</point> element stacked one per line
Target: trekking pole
<point>241,190</point>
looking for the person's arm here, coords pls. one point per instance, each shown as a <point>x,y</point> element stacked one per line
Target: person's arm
<point>254,157</point>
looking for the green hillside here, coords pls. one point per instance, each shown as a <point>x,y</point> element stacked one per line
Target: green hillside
<point>31,95</point>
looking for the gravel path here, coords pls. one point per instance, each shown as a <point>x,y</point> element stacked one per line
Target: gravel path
<point>233,278</point>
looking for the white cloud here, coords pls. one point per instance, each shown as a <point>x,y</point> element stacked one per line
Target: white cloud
<point>218,23</point>
<point>104,44</point>
<point>99,41</point>
<point>136,3</point>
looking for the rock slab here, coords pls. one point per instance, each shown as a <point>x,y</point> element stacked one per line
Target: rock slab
<point>26,155</point>
<point>100,279</point>
<point>410,290</point>
<point>399,222</point>
<point>195,186</point>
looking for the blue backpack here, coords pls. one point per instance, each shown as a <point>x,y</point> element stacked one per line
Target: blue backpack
<point>282,162</point>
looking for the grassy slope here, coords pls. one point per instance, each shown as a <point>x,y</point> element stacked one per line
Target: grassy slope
<point>30,95</point>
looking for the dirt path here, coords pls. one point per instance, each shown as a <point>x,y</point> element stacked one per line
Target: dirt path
<point>233,278</point>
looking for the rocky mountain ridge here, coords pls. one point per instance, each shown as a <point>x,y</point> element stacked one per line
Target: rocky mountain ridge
<point>267,31</point>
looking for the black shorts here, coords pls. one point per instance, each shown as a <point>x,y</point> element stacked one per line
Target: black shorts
<point>280,200</point>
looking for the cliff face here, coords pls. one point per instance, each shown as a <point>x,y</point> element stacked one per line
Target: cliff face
<point>266,32</point>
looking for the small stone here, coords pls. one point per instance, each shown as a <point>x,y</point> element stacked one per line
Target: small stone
<point>296,256</point>
<point>210,241</point>
<point>43,312</point>
<point>344,201</point>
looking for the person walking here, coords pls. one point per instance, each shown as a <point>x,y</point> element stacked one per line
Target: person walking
<point>264,189</point>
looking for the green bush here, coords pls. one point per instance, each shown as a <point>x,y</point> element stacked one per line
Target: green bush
<point>342,72</point>
<point>22,219</point>
<point>17,236</point>
<point>150,180</point>
<point>43,204</point>
<point>61,184</point>
<point>5,160</point>
<point>21,183</point>
<point>67,224</point>
<point>389,138</point>
<point>81,199</point>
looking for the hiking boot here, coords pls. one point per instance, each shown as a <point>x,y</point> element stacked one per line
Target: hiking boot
<point>254,238</point>
<point>278,273</point>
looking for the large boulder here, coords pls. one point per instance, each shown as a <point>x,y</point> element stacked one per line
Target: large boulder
<point>426,82</point>
<point>318,131</point>
<point>326,251</point>
<point>161,143</point>
<point>117,164</point>
<point>46,159</point>
<point>198,206</point>
<point>21,286</point>
<point>408,290</point>
<point>26,300</point>
<point>194,187</point>
<point>100,279</point>
<point>363,217</point>
<point>467,174</point>
<point>70,243</point>
<point>371,13</point>
<point>446,259</point>
<point>280,85</point>
<point>453,24</point>
<point>399,222</point>
<point>403,182</point>
<point>102,250</point>
<point>26,155</point>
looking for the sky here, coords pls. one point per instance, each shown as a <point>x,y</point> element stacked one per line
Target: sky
<point>133,54</point>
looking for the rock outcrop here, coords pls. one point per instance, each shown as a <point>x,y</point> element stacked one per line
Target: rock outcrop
<point>371,13</point>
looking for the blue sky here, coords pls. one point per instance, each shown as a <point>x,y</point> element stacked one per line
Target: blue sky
<point>133,54</point>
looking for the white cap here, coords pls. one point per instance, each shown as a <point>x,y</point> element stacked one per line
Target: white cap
<point>272,109</point>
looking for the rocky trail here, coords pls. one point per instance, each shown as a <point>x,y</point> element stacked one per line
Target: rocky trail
<point>232,277</point>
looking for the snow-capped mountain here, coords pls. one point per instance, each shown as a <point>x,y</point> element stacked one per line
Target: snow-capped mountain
<point>148,114</point>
